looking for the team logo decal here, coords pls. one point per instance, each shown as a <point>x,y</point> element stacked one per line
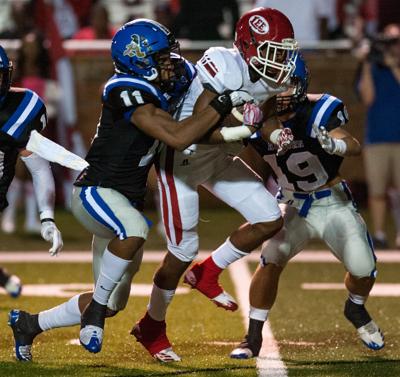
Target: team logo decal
<point>259,24</point>
<point>133,49</point>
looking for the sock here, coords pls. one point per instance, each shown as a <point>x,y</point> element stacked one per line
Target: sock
<point>159,301</point>
<point>66,314</point>
<point>226,254</point>
<point>380,235</point>
<point>357,299</point>
<point>4,276</point>
<point>111,271</point>
<point>394,197</point>
<point>258,314</point>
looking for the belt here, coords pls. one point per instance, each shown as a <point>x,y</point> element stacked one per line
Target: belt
<point>309,198</point>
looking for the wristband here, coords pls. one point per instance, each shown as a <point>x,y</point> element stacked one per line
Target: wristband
<point>222,104</point>
<point>275,136</point>
<point>230,134</point>
<point>47,219</point>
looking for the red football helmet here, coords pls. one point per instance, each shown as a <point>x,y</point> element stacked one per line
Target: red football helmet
<point>265,39</point>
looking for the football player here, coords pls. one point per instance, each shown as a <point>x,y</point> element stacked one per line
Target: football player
<point>316,203</point>
<point>21,112</point>
<point>260,63</point>
<point>149,83</point>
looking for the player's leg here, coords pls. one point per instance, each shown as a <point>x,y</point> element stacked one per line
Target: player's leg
<point>377,165</point>
<point>241,189</point>
<point>101,209</point>
<point>10,213</point>
<point>11,283</point>
<point>348,238</point>
<point>276,252</point>
<point>180,212</point>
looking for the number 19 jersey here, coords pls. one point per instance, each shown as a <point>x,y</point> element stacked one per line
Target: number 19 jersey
<point>306,166</point>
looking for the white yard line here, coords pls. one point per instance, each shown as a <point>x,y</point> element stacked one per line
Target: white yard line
<point>306,256</point>
<point>269,362</point>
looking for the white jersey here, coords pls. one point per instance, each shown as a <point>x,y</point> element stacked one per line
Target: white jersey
<point>223,69</point>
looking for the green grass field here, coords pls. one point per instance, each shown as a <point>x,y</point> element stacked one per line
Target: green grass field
<point>313,336</point>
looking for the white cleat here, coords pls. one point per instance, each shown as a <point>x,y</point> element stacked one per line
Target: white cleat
<point>371,336</point>
<point>13,286</point>
<point>226,301</point>
<point>91,338</point>
<point>167,356</point>
<point>241,353</point>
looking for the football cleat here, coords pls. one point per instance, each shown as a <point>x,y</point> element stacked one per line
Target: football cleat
<point>25,327</point>
<point>91,338</point>
<point>367,329</point>
<point>92,325</point>
<point>204,277</point>
<point>152,335</point>
<point>13,286</point>
<point>372,336</point>
<point>247,349</point>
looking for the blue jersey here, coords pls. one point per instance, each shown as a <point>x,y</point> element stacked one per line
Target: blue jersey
<point>121,154</point>
<point>306,166</point>
<point>21,112</point>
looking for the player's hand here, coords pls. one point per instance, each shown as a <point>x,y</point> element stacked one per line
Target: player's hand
<point>327,142</point>
<point>240,97</point>
<point>51,234</point>
<point>284,141</point>
<point>252,115</point>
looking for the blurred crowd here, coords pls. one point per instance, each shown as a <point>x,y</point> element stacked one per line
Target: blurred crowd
<point>41,64</point>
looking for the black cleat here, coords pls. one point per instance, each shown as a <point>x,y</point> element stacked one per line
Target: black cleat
<point>25,327</point>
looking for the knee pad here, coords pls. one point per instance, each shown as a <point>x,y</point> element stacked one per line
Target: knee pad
<point>275,252</point>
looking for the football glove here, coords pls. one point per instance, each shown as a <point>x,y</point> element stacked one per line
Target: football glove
<point>329,144</point>
<point>51,234</point>
<point>283,138</point>
<point>252,115</point>
<point>224,103</point>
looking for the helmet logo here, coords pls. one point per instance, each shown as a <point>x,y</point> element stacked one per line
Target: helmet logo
<point>259,24</point>
<point>133,49</point>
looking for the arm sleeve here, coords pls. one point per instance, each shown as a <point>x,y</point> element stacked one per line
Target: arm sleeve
<point>43,184</point>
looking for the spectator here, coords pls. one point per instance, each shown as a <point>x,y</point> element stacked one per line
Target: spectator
<point>312,19</point>
<point>202,20</point>
<point>99,27</point>
<point>379,90</point>
<point>15,19</point>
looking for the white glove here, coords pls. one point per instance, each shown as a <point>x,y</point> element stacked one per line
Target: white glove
<point>329,144</point>
<point>50,233</point>
<point>239,97</point>
<point>252,115</point>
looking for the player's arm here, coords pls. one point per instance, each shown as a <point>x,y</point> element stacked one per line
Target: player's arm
<point>179,134</point>
<point>43,184</point>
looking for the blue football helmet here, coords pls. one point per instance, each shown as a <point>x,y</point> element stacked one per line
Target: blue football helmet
<point>5,73</point>
<point>299,81</point>
<point>137,45</point>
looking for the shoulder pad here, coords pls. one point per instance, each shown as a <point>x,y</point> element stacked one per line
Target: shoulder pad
<point>25,115</point>
<point>138,92</point>
<point>326,107</point>
<point>219,68</point>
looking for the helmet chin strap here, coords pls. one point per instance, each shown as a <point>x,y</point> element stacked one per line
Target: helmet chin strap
<point>151,76</point>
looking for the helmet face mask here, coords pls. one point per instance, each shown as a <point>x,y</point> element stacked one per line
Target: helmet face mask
<point>265,40</point>
<point>6,69</point>
<point>296,95</point>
